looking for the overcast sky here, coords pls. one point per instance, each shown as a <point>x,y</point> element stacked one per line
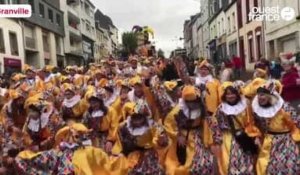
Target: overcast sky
<point>166,17</point>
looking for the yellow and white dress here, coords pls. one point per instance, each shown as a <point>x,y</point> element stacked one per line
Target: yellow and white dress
<point>279,125</point>
<point>198,159</point>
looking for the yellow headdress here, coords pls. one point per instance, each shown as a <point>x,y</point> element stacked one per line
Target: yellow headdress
<point>237,85</point>
<point>250,89</point>
<point>18,77</point>
<point>49,68</point>
<point>68,87</point>
<point>170,85</point>
<point>206,64</point>
<point>190,93</point>
<point>28,68</point>
<point>14,94</point>
<point>66,132</point>
<point>135,80</point>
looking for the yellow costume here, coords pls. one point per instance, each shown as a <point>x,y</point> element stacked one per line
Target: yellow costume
<point>69,158</point>
<point>139,144</point>
<point>236,117</point>
<point>176,124</point>
<point>279,125</point>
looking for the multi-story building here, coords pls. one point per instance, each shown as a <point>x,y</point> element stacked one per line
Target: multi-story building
<point>43,34</point>
<point>11,45</point>
<point>80,32</point>
<point>250,32</point>
<point>88,30</point>
<point>191,36</point>
<point>203,30</point>
<point>282,35</point>
<point>195,37</point>
<point>187,35</point>
<point>107,36</point>
<point>231,27</point>
<point>215,25</point>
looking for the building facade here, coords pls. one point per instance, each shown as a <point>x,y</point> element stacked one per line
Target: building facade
<point>231,28</point>
<point>251,44</point>
<point>43,34</point>
<point>203,30</point>
<point>11,46</point>
<point>80,32</point>
<point>88,30</point>
<point>282,35</point>
<point>106,44</point>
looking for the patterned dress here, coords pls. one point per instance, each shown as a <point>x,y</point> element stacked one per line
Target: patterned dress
<point>148,161</point>
<point>239,162</point>
<point>283,152</point>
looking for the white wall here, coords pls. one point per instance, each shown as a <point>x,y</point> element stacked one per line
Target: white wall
<point>9,25</point>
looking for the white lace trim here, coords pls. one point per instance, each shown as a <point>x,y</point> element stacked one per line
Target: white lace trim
<point>235,109</point>
<point>138,131</point>
<point>48,79</point>
<point>203,80</point>
<point>194,113</point>
<point>270,111</point>
<point>34,125</point>
<point>71,102</point>
<point>112,99</point>
<point>96,114</point>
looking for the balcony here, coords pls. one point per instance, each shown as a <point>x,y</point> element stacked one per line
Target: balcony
<point>74,33</point>
<point>72,11</point>
<point>76,50</point>
<point>30,43</point>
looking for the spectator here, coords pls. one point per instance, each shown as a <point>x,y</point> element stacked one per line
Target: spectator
<point>276,69</point>
<point>226,72</point>
<point>237,66</point>
<point>290,81</point>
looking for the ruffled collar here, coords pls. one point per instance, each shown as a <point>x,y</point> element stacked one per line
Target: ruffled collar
<point>71,102</point>
<point>269,112</point>
<point>96,114</point>
<point>48,79</point>
<point>112,98</point>
<point>193,114</point>
<point>203,80</point>
<point>138,131</point>
<point>34,125</point>
<point>234,109</point>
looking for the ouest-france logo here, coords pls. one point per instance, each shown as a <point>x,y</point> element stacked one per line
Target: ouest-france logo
<point>271,14</point>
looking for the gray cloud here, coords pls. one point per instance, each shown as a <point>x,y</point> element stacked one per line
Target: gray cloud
<point>166,17</point>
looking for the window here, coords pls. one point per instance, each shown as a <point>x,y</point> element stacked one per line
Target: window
<point>58,19</point>
<point>2,46</point>
<point>13,43</point>
<point>233,21</point>
<point>223,26</point>
<point>250,48</point>
<point>42,12</point>
<point>45,42</point>
<point>31,3</point>
<point>247,10</point>
<point>87,27</point>
<point>50,15</point>
<point>229,25</point>
<point>258,46</point>
<point>255,3</point>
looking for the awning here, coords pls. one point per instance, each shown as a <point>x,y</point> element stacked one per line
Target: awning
<point>12,62</point>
